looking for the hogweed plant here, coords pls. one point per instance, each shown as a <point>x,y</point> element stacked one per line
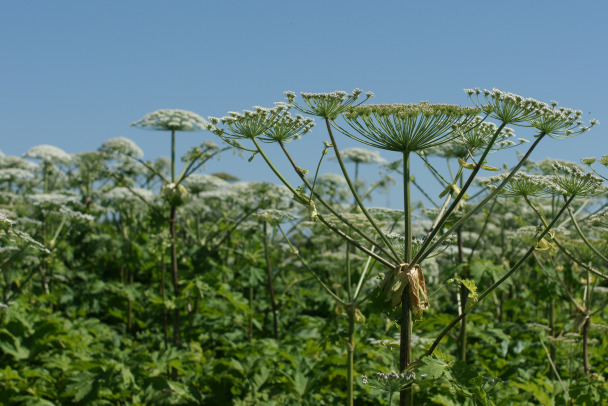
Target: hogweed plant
<point>173,192</point>
<point>407,129</point>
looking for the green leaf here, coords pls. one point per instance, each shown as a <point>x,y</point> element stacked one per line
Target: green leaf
<point>434,367</point>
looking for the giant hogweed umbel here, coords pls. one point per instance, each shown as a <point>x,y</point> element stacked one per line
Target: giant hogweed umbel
<point>403,128</point>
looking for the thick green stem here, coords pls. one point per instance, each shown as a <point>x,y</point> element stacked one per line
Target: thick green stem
<point>406,397</point>
<point>172,156</point>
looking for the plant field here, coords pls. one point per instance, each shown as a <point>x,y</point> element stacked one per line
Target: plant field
<point>133,282</point>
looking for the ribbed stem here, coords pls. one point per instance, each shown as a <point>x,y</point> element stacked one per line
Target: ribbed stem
<point>406,397</point>
<point>172,156</point>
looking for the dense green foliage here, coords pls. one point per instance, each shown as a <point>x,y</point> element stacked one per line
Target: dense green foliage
<point>88,302</point>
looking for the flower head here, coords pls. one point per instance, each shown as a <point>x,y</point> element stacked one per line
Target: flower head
<point>361,156</point>
<point>121,145</point>
<point>267,124</point>
<point>199,182</point>
<point>510,108</point>
<point>407,127</point>
<point>390,382</point>
<point>326,105</point>
<point>13,174</point>
<point>478,134</point>
<point>571,181</point>
<point>288,128</point>
<point>172,120</point>
<point>48,153</point>
<point>588,161</point>
<point>599,219</point>
<point>522,184</point>
<point>5,222</point>
<point>120,195</point>
<point>18,162</point>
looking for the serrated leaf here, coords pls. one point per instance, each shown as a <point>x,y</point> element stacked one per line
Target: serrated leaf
<point>434,367</point>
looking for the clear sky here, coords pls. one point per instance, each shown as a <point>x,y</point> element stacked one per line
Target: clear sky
<point>75,73</point>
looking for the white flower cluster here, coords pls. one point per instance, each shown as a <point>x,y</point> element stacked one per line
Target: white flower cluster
<point>274,124</point>
<point>124,195</point>
<point>48,153</point>
<point>288,128</point>
<point>5,222</point>
<point>327,105</point>
<point>407,127</point>
<point>248,194</point>
<point>274,216</point>
<point>510,108</point>
<point>172,120</point>
<point>386,213</point>
<point>23,240</point>
<point>361,156</point>
<point>571,181</point>
<point>478,133</point>
<point>588,161</point>
<point>199,182</point>
<point>76,215</point>
<point>522,184</point>
<point>13,174</point>
<point>250,123</point>
<point>121,145</point>
<point>599,218</point>
<point>17,162</point>
<point>526,235</point>
<point>51,199</point>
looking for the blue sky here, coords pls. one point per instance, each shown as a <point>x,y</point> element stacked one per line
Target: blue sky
<point>75,73</point>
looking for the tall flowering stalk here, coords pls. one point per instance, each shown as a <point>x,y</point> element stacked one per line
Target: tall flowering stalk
<point>407,128</point>
<point>173,191</point>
